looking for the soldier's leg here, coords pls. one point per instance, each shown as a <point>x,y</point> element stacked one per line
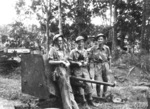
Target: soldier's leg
<point>107,67</point>
<point>98,87</point>
<point>79,84</point>
<point>64,89</point>
<point>98,77</point>
<point>105,77</point>
<point>73,102</point>
<point>88,87</point>
<point>82,92</point>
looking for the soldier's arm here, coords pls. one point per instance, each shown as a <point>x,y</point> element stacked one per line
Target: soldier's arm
<point>86,61</point>
<point>72,60</point>
<point>55,62</point>
<point>51,58</point>
<point>109,55</point>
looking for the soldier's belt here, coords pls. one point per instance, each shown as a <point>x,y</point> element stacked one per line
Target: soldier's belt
<point>83,66</point>
<point>99,62</point>
<point>96,62</point>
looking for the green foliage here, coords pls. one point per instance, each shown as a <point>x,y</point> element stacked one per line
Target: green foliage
<point>19,5</point>
<point>22,35</point>
<point>78,16</point>
<point>129,18</point>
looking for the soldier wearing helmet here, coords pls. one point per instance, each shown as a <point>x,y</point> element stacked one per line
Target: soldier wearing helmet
<point>99,58</point>
<point>78,56</point>
<point>58,58</point>
<point>91,42</point>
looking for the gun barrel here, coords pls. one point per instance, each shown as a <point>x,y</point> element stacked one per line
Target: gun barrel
<point>93,81</point>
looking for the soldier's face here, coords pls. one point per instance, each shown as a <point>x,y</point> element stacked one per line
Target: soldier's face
<point>100,40</point>
<point>81,43</point>
<point>60,42</point>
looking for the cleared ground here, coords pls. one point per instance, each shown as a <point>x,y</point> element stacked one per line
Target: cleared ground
<point>132,96</point>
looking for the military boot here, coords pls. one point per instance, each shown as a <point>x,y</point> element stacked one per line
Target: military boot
<point>85,104</point>
<point>90,100</point>
<point>104,91</point>
<point>98,89</point>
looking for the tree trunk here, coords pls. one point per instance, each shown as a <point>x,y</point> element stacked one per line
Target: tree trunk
<point>60,18</point>
<point>79,16</point>
<point>147,26</point>
<point>111,13</point>
<point>114,35</point>
<point>48,27</point>
<point>47,34</point>
<point>143,26</point>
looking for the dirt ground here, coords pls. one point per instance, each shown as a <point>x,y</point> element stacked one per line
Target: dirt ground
<point>126,78</point>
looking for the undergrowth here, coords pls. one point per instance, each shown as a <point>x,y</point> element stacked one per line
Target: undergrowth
<point>141,60</point>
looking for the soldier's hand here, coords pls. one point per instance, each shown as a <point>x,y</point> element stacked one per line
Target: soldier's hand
<point>67,64</point>
<point>79,63</point>
<point>85,63</point>
<point>63,62</point>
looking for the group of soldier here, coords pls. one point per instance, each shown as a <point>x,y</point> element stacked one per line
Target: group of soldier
<point>91,63</point>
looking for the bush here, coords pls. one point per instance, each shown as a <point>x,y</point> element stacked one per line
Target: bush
<point>141,60</point>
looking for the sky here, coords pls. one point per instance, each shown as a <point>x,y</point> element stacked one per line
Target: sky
<point>7,11</point>
<point>8,14</point>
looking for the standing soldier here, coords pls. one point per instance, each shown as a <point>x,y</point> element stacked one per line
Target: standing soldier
<point>100,60</point>
<point>57,57</point>
<point>92,46</point>
<point>79,57</point>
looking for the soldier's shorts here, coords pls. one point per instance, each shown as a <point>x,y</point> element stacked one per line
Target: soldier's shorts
<point>98,71</point>
<point>83,73</point>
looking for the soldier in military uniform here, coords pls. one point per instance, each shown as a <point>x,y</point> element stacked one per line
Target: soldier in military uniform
<point>99,59</point>
<point>79,57</point>
<point>58,58</point>
<point>91,47</point>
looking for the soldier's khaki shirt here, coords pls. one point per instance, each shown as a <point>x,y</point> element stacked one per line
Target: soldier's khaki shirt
<point>56,54</point>
<point>97,53</point>
<point>75,53</point>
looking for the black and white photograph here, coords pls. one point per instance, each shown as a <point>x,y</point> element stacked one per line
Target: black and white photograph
<point>75,54</point>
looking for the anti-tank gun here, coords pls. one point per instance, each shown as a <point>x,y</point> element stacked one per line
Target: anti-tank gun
<point>37,78</point>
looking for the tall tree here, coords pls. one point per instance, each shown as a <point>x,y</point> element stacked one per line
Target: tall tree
<point>42,8</point>
<point>143,24</point>
<point>129,19</point>
<point>70,17</point>
<point>60,17</point>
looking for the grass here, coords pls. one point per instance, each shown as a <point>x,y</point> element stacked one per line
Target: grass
<point>10,88</point>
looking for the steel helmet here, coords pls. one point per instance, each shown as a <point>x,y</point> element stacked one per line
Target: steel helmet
<point>79,38</point>
<point>101,35</point>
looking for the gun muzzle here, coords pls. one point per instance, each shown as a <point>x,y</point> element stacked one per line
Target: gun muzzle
<point>93,81</point>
